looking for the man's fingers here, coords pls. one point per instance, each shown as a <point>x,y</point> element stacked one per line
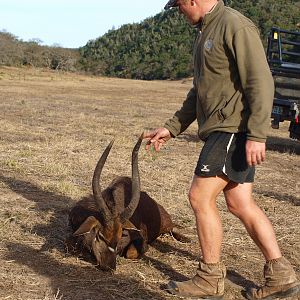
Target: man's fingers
<point>157,138</point>
<point>255,152</point>
<point>259,158</point>
<point>249,159</point>
<point>255,158</point>
<point>150,134</point>
<point>148,145</point>
<point>263,156</point>
<point>158,144</point>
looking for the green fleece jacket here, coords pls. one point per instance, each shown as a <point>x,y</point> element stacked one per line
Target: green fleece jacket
<point>233,87</point>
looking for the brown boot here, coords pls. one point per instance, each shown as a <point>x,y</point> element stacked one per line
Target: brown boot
<point>208,283</point>
<point>281,281</point>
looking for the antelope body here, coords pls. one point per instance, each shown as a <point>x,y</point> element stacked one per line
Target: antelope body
<point>120,220</point>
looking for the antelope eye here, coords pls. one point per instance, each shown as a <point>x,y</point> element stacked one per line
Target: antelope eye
<point>101,237</point>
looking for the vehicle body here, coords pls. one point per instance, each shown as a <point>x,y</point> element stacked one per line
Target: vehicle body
<point>283,55</point>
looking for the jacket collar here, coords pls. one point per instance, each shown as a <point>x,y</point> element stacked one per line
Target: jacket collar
<point>211,15</point>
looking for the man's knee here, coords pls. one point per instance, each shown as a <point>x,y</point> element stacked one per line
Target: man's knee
<point>239,198</point>
<point>234,208</point>
<point>239,209</point>
<point>193,199</point>
<point>204,191</point>
<point>200,202</point>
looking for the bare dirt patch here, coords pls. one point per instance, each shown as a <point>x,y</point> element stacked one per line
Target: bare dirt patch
<point>54,126</point>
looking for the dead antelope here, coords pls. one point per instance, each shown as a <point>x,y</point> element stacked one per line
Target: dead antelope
<point>120,220</point>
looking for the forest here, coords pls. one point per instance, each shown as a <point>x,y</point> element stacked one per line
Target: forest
<point>159,47</point>
<point>15,52</point>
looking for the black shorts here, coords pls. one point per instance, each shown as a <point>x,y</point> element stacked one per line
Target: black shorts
<point>224,154</point>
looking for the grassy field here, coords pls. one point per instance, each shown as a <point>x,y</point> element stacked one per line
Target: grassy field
<point>54,126</point>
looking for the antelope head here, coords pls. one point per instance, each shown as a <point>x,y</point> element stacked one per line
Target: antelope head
<point>102,238</point>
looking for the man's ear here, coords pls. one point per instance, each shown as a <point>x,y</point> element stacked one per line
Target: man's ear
<point>87,226</point>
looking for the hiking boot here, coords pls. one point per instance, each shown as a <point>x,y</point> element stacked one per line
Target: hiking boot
<point>208,283</point>
<point>280,281</point>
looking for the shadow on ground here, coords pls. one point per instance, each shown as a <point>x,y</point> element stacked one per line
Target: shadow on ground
<point>57,229</point>
<point>163,247</point>
<point>239,280</point>
<point>75,282</point>
<point>283,145</point>
<point>188,137</point>
<point>280,196</point>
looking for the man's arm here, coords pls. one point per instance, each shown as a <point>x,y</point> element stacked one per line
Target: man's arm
<point>256,80</point>
<point>174,126</point>
<point>185,116</point>
<point>258,89</point>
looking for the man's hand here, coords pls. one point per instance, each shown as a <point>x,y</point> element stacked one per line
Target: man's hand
<point>157,138</point>
<point>255,152</point>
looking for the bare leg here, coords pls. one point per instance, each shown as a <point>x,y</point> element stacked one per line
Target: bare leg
<point>202,196</point>
<point>241,203</point>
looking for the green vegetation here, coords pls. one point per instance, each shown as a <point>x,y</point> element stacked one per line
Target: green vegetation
<point>160,47</point>
<point>15,52</point>
<point>268,13</point>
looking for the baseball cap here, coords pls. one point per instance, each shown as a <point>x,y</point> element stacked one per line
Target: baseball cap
<point>170,4</point>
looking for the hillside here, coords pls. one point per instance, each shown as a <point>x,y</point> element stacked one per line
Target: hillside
<point>160,47</point>
<point>16,52</point>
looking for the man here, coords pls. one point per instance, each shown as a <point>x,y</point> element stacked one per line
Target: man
<point>231,99</point>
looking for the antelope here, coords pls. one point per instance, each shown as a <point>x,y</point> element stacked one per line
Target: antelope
<point>120,220</point>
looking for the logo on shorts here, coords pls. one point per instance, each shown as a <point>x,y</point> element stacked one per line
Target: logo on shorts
<point>205,168</point>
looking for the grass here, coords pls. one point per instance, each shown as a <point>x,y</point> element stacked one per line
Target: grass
<point>53,128</point>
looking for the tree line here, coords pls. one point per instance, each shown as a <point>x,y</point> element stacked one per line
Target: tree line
<point>159,47</point>
<point>15,52</point>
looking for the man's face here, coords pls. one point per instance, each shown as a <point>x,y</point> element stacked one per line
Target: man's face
<point>190,9</point>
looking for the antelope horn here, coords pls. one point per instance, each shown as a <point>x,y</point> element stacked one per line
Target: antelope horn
<point>96,184</point>
<point>136,189</point>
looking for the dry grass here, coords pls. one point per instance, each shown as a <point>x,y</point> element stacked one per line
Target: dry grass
<point>53,127</point>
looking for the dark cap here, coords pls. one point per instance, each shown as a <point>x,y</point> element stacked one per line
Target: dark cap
<point>170,4</point>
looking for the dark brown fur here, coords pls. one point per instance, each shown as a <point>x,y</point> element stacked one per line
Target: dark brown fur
<point>129,238</point>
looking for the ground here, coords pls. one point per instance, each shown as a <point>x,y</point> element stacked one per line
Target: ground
<point>53,128</point>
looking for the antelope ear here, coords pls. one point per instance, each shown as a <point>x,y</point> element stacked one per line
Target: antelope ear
<point>87,226</point>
